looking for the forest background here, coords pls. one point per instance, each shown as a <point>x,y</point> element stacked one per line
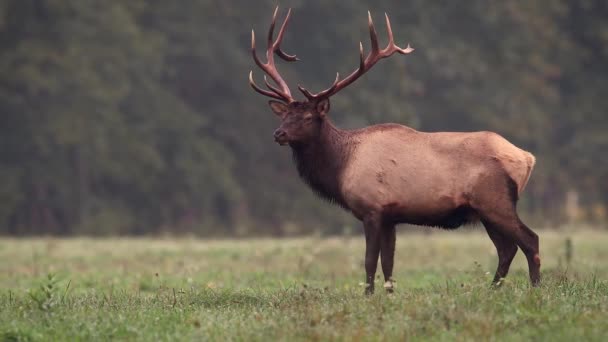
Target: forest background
<point>135,117</point>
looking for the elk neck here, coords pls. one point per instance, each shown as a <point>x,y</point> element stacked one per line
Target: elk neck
<point>321,161</point>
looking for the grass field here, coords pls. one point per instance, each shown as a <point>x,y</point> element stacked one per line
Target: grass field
<point>298,289</point>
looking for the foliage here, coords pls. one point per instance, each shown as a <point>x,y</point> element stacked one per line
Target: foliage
<point>299,289</point>
<point>136,117</point>
<point>48,295</point>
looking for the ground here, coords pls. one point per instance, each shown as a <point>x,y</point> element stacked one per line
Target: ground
<point>298,289</point>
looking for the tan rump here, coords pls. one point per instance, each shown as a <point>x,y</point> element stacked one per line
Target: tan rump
<point>517,162</point>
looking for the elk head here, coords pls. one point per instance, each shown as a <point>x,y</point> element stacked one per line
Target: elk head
<point>302,120</point>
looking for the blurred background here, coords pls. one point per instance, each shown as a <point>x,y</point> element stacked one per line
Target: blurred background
<point>135,117</point>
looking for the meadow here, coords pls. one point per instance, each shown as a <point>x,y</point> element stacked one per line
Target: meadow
<point>298,289</point>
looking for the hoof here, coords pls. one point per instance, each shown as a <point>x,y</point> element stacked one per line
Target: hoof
<point>497,283</point>
<point>535,282</point>
<point>389,287</point>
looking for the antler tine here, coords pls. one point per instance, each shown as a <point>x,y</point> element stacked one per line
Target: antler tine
<point>333,86</point>
<point>372,33</point>
<point>281,92</point>
<point>271,29</point>
<point>361,58</point>
<point>392,47</point>
<point>277,44</point>
<point>389,30</point>
<point>271,87</point>
<point>306,93</point>
<point>262,91</point>
<point>255,55</point>
<point>311,96</point>
<point>365,62</point>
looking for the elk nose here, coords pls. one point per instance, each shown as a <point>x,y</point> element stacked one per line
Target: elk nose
<point>279,133</point>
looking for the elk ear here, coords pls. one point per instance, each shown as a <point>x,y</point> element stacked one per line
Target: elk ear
<point>323,107</point>
<point>279,108</point>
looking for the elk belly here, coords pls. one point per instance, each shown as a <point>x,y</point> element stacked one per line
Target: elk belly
<point>404,195</point>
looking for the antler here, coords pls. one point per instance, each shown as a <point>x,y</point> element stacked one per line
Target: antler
<point>282,92</point>
<point>364,63</point>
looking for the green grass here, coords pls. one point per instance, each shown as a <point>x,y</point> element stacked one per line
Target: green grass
<point>297,289</point>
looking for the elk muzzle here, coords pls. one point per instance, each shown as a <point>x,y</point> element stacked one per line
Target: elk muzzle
<point>280,136</point>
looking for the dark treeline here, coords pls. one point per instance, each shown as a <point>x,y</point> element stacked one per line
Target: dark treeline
<point>131,117</point>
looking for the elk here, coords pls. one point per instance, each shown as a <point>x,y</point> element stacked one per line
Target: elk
<point>388,174</point>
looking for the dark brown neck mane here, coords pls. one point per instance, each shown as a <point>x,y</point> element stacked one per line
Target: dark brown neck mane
<point>321,161</point>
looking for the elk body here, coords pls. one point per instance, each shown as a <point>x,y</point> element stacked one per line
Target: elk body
<point>389,174</point>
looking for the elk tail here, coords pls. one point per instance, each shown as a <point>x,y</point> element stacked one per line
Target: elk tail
<point>530,162</point>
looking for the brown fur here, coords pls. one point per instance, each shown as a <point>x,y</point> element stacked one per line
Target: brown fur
<point>389,174</point>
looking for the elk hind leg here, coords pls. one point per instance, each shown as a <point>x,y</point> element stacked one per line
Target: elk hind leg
<point>509,225</point>
<point>506,249</point>
<point>532,252</point>
<point>497,209</point>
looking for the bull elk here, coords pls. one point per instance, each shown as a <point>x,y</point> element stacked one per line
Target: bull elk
<point>389,174</point>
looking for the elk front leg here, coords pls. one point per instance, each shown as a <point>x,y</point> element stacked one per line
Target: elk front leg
<point>387,254</point>
<point>372,228</point>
